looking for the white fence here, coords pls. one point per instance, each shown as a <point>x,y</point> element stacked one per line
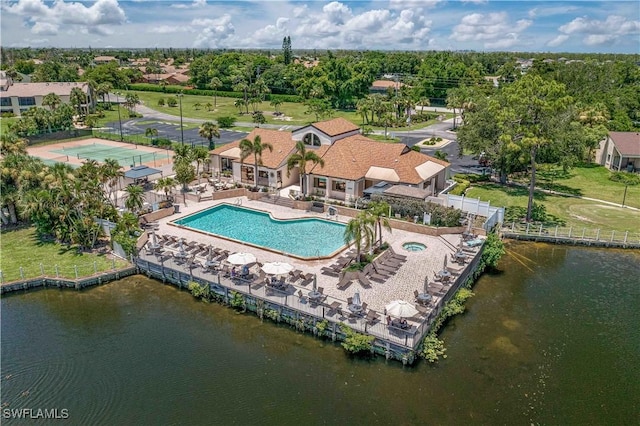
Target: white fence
<point>494,215</point>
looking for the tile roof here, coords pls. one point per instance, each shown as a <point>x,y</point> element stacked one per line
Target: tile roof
<point>41,89</point>
<point>283,147</point>
<point>627,143</point>
<point>386,83</point>
<point>353,157</point>
<point>336,126</point>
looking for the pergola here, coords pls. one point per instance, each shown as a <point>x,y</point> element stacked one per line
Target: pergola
<point>139,173</point>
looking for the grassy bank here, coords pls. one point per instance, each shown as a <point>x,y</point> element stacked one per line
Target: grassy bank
<point>22,248</point>
<point>562,211</point>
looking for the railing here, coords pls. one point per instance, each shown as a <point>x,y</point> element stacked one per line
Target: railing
<point>582,236</point>
<point>41,270</point>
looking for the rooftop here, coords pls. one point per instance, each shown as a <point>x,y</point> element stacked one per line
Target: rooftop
<point>42,89</point>
<point>627,143</point>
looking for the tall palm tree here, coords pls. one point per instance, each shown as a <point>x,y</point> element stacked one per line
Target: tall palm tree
<point>78,99</point>
<point>378,211</point>
<point>255,148</point>
<point>209,130</point>
<point>111,172</point>
<point>300,159</point>
<point>276,103</point>
<point>151,132</point>
<point>135,198</point>
<point>201,156</point>
<point>215,84</point>
<point>182,165</point>
<point>359,231</point>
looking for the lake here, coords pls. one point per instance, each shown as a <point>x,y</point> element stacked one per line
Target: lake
<point>553,339</point>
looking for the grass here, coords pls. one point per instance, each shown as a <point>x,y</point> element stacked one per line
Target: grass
<point>587,180</point>
<point>4,123</point>
<point>22,248</point>
<point>561,210</point>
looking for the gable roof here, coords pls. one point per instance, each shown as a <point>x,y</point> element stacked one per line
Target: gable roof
<point>335,127</point>
<point>357,156</point>
<point>283,147</point>
<point>627,143</point>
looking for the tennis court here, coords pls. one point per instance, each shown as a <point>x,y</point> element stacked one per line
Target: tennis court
<point>76,152</point>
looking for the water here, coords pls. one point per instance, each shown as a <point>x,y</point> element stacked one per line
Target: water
<point>554,339</point>
<point>298,237</point>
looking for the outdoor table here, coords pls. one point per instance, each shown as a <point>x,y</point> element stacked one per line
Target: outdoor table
<point>180,255</point>
<point>460,256</point>
<point>424,298</point>
<point>315,295</point>
<point>356,309</point>
<point>444,273</point>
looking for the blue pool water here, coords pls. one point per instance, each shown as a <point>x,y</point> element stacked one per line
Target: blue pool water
<point>298,237</point>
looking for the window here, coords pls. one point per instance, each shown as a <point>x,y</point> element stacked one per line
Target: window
<point>29,101</point>
<point>227,164</point>
<point>320,182</point>
<point>247,173</point>
<point>339,186</point>
<point>279,176</point>
<point>311,139</point>
<point>263,174</point>
<point>5,101</point>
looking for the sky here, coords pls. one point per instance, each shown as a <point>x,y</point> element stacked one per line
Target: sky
<point>480,25</point>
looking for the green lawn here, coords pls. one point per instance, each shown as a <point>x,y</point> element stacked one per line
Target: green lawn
<point>562,211</point>
<point>21,248</point>
<point>588,180</point>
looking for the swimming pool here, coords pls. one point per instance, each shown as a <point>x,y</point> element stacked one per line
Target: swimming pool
<point>306,238</point>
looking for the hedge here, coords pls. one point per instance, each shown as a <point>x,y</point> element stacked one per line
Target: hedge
<point>146,87</point>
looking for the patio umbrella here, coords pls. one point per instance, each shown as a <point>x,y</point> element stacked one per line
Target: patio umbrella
<point>356,299</point>
<point>241,258</point>
<point>426,285</point>
<point>277,268</point>
<point>315,282</point>
<point>445,262</point>
<point>210,253</point>
<point>401,309</point>
<point>181,248</point>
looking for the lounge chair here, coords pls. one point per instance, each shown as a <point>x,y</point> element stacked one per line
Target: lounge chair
<point>345,281</point>
<point>329,271</point>
<point>372,317</point>
<point>308,279</point>
<point>384,269</point>
<point>393,253</point>
<point>364,281</point>
<point>373,275</point>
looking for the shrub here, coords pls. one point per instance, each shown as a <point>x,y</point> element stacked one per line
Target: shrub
<point>493,251</point>
<point>161,102</point>
<point>460,188</point>
<point>415,148</point>
<point>433,348</point>
<point>198,290</point>
<point>7,114</point>
<point>172,102</point>
<point>258,117</point>
<point>226,122</point>
<point>356,342</point>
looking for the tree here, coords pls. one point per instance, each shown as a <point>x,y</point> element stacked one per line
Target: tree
<point>378,210</point>
<point>536,114</point>
<point>131,100</point>
<point>111,172</point>
<point>286,50</point>
<point>255,148</point>
<point>359,231</point>
<point>215,84</point>
<point>209,130</point>
<point>321,108</point>
<point>52,101</point>
<point>185,173</point>
<point>276,103</point>
<point>300,159</point>
<point>10,143</point>
<point>151,132</point>
<point>166,185</point>
<point>201,156</point>
<point>78,99</point>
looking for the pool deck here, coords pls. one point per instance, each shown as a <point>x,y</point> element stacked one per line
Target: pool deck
<point>409,277</point>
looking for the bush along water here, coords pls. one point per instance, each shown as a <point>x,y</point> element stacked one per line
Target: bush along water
<point>432,348</point>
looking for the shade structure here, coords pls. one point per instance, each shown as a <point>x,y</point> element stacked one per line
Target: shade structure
<point>241,258</point>
<point>401,309</point>
<point>277,268</point>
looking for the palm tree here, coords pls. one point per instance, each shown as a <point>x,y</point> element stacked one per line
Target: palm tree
<point>358,229</point>
<point>197,106</point>
<point>300,159</point>
<point>151,132</point>
<point>208,106</point>
<point>111,172</point>
<point>52,101</point>
<point>182,165</point>
<point>254,148</point>
<point>208,130</point>
<point>378,211</point>
<point>215,84</point>
<point>276,103</point>
<point>241,103</point>
<point>135,198</point>
<point>166,185</point>
<point>201,156</point>
<point>78,98</point>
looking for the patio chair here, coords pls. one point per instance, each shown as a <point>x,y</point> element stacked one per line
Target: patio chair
<point>329,271</point>
<point>364,306</point>
<point>349,300</point>
<point>320,290</point>
<point>416,293</point>
<point>371,274</point>
<point>396,255</point>
<point>372,317</point>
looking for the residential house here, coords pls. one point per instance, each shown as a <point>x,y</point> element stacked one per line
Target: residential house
<point>18,97</point>
<point>98,60</point>
<point>272,172</point>
<point>620,151</point>
<point>384,86</point>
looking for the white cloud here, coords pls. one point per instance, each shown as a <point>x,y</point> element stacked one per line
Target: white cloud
<point>195,5</point>
<point>412,4</point>
<point>558,40</point>
<point>336,12</point>
<point>46,18</point>
<point>540,12</point>
<point>476,1</point>
<point>216,32</point>
<point>495,30</point>
<point>597,32</point>
<point>170,29</point>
